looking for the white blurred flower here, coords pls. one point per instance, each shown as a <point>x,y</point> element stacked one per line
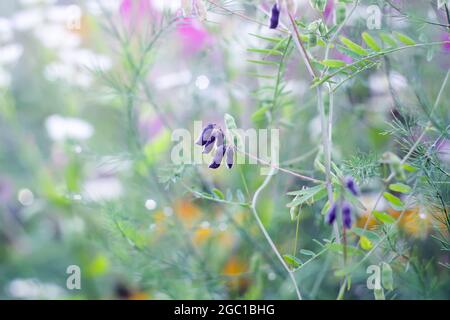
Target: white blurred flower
<point>398,81</point>
<point>103,189</point>
<point>85,58</point>
<point>162,5</point>
<point>315,128</point>
<point>34,2</point>
<point>10,53</point>
<point>202,82</point>
<point>61,13</point>
<point>6,31</point>
<point>60,128</point>
<point>34,289</point>
<point>56,36</point>
<point>74,66</point>
<point>25,197</point>
<point>74,225</point>
<point>28,19</point>
<point>379,84</point>
<point>172,80</point>
<point>150,204</point>
<point>73,75</point>
<point>95,7</point>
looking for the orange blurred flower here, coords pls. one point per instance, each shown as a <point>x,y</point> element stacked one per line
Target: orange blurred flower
<point>235,269</point>
<point>187,212</point>
<point>202,234</point>
<point>139,296</point>
<point>362,220</point>
<point>416,222</point>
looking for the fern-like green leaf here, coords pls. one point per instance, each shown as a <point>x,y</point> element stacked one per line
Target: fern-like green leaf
<point>356,48</point>
<point>371,42</point>
<point>404,39</point>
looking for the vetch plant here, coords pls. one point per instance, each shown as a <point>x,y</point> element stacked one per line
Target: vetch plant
<point>333,62</point>
<point>319,168</point>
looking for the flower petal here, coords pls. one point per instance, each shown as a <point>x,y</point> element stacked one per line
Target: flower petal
<point>331,215</point>
<point>217,160</point>
<point>347,215</point>
<point>351,185</point>
<point>230,157</point>
<point>209,145</point>
<point>220,137</point>
<point>275,17</point>
<point>206,134</point>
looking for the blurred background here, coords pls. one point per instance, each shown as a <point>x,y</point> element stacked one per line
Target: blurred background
<point>90,93</point>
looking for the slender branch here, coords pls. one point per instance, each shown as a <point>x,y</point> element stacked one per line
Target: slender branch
<point>375,55</point>
<point>266,234</point>
<point>326,137</point>
<point>274,166</point>
<point>408,16</point>
<point>243,16</point>
<point>301,47</point>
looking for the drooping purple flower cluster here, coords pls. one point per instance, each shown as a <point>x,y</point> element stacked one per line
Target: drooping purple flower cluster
<point>344,207</point>
<point>332,213</point>
<point>345,210</point>
<point>347,215</point>
<point>351,185</point>
<point>212,135</point>
<point>274,17</point>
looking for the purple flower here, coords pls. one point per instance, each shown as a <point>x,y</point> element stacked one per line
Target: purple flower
<point>347,215</point>
<point>209,145</point>
<point>206,134</point>
<point>331,215</point>
<point>220,137</point>
<point>275,17</point>
<point>230,157</point>
<point>211,136</point>
<point>217,160</point>
<point>351,185</point>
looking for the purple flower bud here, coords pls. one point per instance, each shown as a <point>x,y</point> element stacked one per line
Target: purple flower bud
<point>206,134</point>
<point>209,145</point>
<point>218,156</point>
<point>230,157</point>
<point>275,17</point>
<point>220,137</point>
<point>331,215</point>
<point>347,215</point>
<point>351,185</point>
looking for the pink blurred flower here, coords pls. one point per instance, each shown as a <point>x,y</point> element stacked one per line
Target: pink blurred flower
<point>194,37</point>
<point>445,36</point>
<point>340,56</point>
<point>443,150</point>
<point>329,10</point>
<point>150,127</point>
<point>137,13</point>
